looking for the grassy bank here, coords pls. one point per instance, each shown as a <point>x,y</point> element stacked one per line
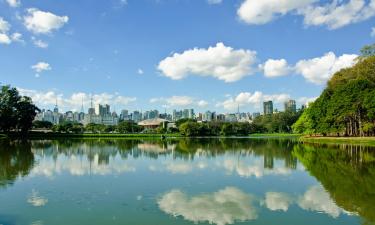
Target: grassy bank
<point>369,141</point>
<point>275,135</point>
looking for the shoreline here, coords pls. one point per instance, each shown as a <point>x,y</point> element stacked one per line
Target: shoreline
<point>368,141</point>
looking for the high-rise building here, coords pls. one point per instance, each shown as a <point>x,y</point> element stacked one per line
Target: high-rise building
<point>290,106</point>
<point>268,108</point>
<point>102,110</point>
<point>124,114</point>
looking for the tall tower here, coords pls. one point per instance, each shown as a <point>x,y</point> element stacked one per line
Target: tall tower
<point>56,109</point>
<point>91,109</point>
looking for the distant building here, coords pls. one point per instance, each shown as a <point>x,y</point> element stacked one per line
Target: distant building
<point>102,110</point>
<point>209,116</point>
<point>153,123</point>
<point>290,106</point>
<point>255,115</point>
<point>268,108</point>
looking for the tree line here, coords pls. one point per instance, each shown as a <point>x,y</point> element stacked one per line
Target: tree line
<point>347,105</point>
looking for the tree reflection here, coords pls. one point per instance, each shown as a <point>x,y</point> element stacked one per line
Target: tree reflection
<point>348,174</point>
<point>16,160</point>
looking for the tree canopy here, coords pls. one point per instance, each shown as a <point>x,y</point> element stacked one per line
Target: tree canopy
<point>16,112</point>
<point>347,105</point>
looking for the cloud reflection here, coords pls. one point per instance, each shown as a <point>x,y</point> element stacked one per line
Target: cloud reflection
<point>278,201</point>
<point>225,206</point>
<point>36,200</point>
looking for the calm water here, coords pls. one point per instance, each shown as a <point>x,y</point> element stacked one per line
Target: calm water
<point>199,181</point>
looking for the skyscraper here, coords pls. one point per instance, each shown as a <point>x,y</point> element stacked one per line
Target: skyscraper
<point>268,107</point>
<point>290,106</point>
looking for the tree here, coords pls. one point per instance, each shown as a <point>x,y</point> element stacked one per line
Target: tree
<point>16,112</point>
<point>347,105</point>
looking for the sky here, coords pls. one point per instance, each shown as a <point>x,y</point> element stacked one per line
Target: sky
<point>213,55</point>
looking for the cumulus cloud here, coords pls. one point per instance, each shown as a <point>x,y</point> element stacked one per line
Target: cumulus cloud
<point>225,206</point>
<point>5,39</point>
<point>74,101</point>
<point>36,200</point>
<point>14,3</point>
<point>317,199</point>
<point>39,43</point>
<point>276,68</point>
<point>4,25</point>
<point>261,12</point>
<point>41,22</point>
<point>17,37</point>
<point>41,66</point>
<point>278,201</point>
<point>220,61</point>
<point>202,103</point>
<point>334,15</point>
<point>338,13</point>
<point>140,71</point>
<point>256,98</point>
<point>319,70</point>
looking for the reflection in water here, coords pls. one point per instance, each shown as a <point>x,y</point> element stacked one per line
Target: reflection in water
<point>278,201</point>
<point>222,207</point>
<point>35,199</point>
<point>346,176</point>
<point>16,160</point>
<point>317,199</point>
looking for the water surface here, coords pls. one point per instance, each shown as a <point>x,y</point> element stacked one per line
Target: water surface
<point>185,181</point>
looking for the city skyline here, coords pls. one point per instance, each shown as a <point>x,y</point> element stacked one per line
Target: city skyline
<point>227,53</point>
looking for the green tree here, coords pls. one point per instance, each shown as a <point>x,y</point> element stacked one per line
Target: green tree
<point>16,112</point>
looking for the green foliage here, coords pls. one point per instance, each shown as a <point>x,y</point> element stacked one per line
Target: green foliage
<point>68,127</point>
<point>276,123</point>
<point>128,127</point>
<point>16,112</point>
<point>347,106</point>
<point>42,124</point>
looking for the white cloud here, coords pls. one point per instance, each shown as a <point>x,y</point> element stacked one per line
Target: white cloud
<point>39,21</point>
<point>202,103</point>
<point>278,201</point>
<point>220,61</point>
<point>14,3</point>
<point>39,43</point>
<point>276,68</point>
<point>4,26</point>
<point>17,37</point>
<point>338,13</point>
<point>5,39</point>
<point>317,199</point>
<point>372,32</point>
<point>256,98</point>
<point>214,1</point>
<point>41,66</point>
<point>140,71</point>
<point>319,70</point>
<point>261,12</point>
<point>45,99</point>
<point>179,101</point>
<point>225,206</point>
<point>36,200</point>
<point>334,15</point>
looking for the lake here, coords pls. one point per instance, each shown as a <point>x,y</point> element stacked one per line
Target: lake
<point>185,181</point>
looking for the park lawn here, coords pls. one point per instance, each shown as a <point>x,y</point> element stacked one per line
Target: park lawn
<point>369,141</point>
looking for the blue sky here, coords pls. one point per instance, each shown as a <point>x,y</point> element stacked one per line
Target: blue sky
<point>139,54</point>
